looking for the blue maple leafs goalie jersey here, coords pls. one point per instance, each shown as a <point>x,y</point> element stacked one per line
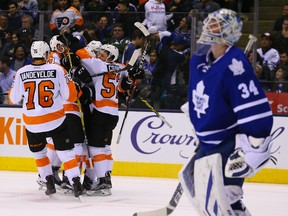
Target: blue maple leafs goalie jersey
<point>226,89</point>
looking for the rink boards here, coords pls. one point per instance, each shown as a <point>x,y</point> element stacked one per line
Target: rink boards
<point>148,147</point>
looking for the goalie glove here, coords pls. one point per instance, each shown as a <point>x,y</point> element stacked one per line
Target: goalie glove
<point>250,155</point>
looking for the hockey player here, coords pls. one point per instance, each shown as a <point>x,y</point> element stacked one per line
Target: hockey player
<point>104,107</point>
<point>230,113</point>
<point>43,87</point>
<point>59,55</point>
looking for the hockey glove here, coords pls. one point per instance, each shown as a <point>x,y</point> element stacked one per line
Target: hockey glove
<point>136,73</point>
<point>88,95</point>
<point>250,155</point>
<point>82,74</point>
<point>65,62</point>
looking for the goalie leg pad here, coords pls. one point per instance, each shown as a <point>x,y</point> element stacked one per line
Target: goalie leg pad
<point>206,192</point>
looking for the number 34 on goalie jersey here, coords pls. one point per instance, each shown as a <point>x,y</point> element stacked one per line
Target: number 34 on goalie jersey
<point>43,89</point>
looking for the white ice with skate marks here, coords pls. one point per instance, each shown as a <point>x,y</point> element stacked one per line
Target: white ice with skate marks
<point>19,195</point>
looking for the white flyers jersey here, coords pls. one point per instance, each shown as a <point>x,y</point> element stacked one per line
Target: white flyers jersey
<point>43,89</point>
<point>66,19</point>
<point>106,86</point>
<point>69,107</point>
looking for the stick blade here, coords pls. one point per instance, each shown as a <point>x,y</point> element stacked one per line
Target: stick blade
<point>142,28</point>
<point>158,212</point>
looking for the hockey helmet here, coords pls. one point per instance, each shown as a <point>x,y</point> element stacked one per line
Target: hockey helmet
<point>39,49</point>
<point>54,42</point>
<point>112,50</point>
<point>93,47</point>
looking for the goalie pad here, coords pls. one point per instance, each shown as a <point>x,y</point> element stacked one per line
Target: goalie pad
<point>250,155</point>
<point>202,181</point>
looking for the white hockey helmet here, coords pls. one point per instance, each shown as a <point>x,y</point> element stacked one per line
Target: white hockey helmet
<point>39,49</point>
<point>54,42</point>
<point>93,47</point>
<point>112,50</point>
<point>221,27</point>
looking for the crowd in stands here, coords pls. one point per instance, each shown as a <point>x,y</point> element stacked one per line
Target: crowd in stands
<point>112,22</point>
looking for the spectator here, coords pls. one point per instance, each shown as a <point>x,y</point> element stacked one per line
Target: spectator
<point>177,8</point>
<point>125,16</point>
<point>184,28</point>
<point>4,34</point>
<point>118,39</point>
<point>131,7</point>
<point>8,49</point>
<point>14,18</point>
<point>27,40</point>
<point>155,15</point>
<point>77,4</point>
<point>205,7</point>
<point>150,66</point>
<point>96,9</point>
<point>65,19</point>
<point>20,58</point>
<point>137,41</point>
<point>27,23</point>
<point>284,59</point>
<point>165,84</point>
<point>7,76</point>
<point>88,33</point>
<point>269,57</point>
<point>30,7</point>
<point>279,22</point>
<point>280,38</point>
<point>104,28</point>
<point>281,81</point>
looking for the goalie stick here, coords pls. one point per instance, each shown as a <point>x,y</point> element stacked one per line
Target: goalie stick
<point>252,40</point>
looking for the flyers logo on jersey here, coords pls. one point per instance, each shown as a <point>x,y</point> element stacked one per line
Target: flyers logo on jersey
<point>62,21</point>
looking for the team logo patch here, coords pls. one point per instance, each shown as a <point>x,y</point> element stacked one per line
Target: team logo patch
<point>236,67</point>
<point>200,99</point>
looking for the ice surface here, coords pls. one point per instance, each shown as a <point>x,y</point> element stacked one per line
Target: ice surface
<point>19,195</point>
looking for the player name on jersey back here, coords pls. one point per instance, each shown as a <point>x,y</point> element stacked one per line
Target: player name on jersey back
<point>38,74</point>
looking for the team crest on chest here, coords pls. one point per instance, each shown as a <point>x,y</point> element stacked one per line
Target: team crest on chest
<point>200,99</point>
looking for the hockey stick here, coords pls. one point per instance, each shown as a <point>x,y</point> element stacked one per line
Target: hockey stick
<point>130,64</point>
<point>142,28</point>
<point>4,93</point>
<point>252,40</point>
<point>153,110</point>
<point>80,110</point>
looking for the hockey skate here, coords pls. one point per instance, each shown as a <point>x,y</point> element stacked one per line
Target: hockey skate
<point>50,185</point>
<point>66,187</point>
<point>41,183</point>
<point>87,183</point>
<point>57,180</point>
<point>77,187</point>
<point>101,189</point>
<point>108,179</point>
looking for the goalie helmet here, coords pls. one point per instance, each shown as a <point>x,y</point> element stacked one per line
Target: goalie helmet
<point>93,47</point>
<point>54,42</point>
<point>39,49</point>
<point>221,27</point>
<point>112,50</point>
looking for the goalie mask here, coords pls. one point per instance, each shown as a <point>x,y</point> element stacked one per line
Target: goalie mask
<point>39,50</point>
<point>112,50</point>
<point>221,27</point>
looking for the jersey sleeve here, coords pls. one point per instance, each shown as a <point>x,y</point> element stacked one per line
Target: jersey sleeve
<point>16,91</point>
<point>67,86</point>
<point>247,98</point>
